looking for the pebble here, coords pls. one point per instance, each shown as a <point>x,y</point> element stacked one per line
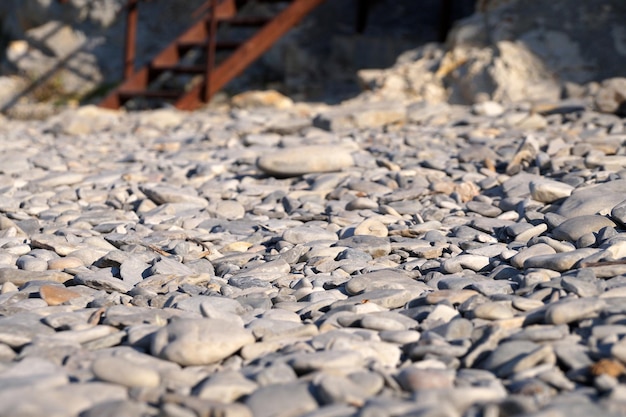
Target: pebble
<point>574,228</point>
<point>300,160</point>
<point>124,372</point>
<point>199,341</point>
<point>370,259</point>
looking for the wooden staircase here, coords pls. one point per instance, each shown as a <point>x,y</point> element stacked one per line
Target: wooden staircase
<point>198,82</point>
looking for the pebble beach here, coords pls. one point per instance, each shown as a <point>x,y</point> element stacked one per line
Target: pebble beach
<point>367,259</point>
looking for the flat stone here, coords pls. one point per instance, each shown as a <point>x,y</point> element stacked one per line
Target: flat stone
<point>20,277</point>
<point>300,160</point>
<point>306,234</point>
<point>384,279</point>
<point>373,245</point>
<point>575,227</point>
<point>365,115</point>
<point>326,360</point>
<point>559,261</point>
<point>571,310</point>
<point>123,372</point>
<point>597,199</point>
<point>56,294</point>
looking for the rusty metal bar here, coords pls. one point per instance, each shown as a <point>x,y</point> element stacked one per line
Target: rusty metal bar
<point>130,39</point>
<point>210,51</point>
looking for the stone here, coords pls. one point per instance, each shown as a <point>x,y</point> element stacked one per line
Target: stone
<point>269,98</point>
<point>574,228</point>
<point>597,199</point>
<point>199,341</point>
<point>300,160</point>
<point>123,372</point>
<point>371,227</point>
<point>279,399</point>
<point>384,279</point>
<point>568,311</point>
<point>611,96</point>
<point>56,294</point>
<point>306,234</point>
<point>549,191</point>
<point>361,116</point>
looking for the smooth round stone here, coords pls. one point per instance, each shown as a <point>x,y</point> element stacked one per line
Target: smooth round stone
<point>574,228</point>
<point>528,234</point>
<point>460,262</point>
<point>401,337</point>
<point>494,310</point>
<point>324,360</point>
<point>618,213</point>
<point>300,160</point>
<point>66,262</point>
<point>371,227</point>
<point>124,372</point>
<point>199,341</point>
<point>488,108</point>
<point>30,263</point>
<point>414,379</point>
<point>230,210</point>
<point>306,234</point>
<point>225,387</point>
<point>362,203</point>
<point>535,250</point>
<point>293,399</point>
<point>381,323</point>
<point>351,389</point>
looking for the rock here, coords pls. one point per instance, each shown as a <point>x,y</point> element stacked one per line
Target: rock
<point>307,234</point>
<point>611,96</point>
<point>270,98</point>
<point>56,295</point>
<point>568,311</point>
<point>383,279</point>
<point>573,228</point>
<point>361,116</point>
<point>199,341</point>
<point>371,227</point>
<point>549,191</point>
<point>300,160</point>
<point>124,372</point>
<point>162,118</point>
<point>597,199</point>
<point>280,399</point>
<point>488,108</point>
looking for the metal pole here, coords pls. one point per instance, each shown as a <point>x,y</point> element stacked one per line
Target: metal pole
<point>130,38</point>
<point>210,51</point>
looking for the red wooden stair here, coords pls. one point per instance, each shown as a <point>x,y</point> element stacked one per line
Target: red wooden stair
<point>198,82</point>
